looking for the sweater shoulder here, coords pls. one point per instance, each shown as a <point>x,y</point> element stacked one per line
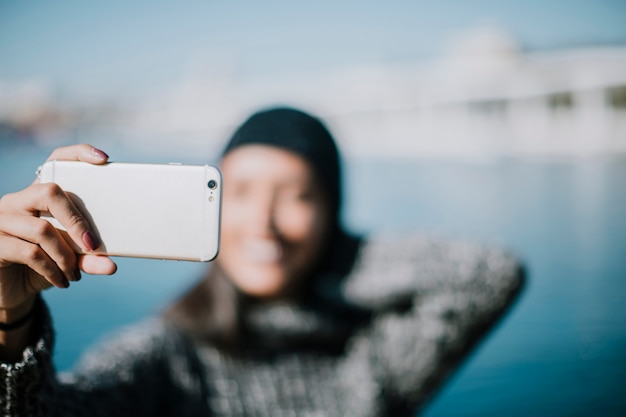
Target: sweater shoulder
<point>132,346</point>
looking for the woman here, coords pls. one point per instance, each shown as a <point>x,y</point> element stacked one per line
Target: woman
<point>295,317</point>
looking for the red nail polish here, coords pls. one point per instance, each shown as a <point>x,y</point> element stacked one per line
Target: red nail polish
<point>100,154</point>
<point>90,241</point>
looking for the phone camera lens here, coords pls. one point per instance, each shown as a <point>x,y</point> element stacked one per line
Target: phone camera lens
<point>212,184</point>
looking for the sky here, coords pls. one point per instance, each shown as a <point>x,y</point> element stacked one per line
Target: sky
<point>119,47</point>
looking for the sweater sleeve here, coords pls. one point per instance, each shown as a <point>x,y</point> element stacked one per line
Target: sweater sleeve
<point>435,300</point>
<point>143,371</point>
<point>22,381</point>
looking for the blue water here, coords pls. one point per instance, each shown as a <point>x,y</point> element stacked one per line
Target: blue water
<point>562,349</point>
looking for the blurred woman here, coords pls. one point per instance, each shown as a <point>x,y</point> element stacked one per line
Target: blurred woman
<point>295,316</point>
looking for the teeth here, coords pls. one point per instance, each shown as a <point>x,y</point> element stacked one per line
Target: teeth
<point>261,250</point>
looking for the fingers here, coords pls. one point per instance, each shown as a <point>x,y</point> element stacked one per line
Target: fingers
<point>50,198</point>
<point>38,245</point>
<point>82,152</point>
<point>22,252</point>
<point>41,233</point>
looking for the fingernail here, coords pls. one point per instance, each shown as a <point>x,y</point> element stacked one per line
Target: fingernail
<point>100,154</point>
<point>77,274</point>
<point>65,283</point>
<point>90,241</point>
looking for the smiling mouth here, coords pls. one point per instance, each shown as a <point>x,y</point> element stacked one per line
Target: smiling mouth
<point>262,250</point>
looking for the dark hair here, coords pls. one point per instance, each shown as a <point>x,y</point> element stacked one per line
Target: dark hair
<point>212,310</point>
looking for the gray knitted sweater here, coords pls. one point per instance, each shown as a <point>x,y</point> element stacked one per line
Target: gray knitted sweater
<point>430,301</point>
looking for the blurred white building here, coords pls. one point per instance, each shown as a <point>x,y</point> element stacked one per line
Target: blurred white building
<point>485,96</point>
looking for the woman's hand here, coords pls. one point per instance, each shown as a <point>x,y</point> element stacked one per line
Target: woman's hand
<point>33,254</point>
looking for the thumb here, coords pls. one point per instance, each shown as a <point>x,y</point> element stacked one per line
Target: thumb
<point>97,264</point>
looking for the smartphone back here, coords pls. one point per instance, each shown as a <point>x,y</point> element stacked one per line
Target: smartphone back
<point>162,211</point>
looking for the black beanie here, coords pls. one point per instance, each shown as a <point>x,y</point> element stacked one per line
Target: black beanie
<point>300,133</point>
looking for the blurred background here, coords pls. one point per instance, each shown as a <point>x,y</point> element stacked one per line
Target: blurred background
<point>497,121</point>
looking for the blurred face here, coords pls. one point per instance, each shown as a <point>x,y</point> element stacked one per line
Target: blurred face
<point>275,220</point>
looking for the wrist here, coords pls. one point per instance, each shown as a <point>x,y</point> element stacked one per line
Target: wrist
<point>18,316</point>
<point>17,332</point>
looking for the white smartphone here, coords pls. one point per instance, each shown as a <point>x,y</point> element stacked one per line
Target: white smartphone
<point>160,211</point>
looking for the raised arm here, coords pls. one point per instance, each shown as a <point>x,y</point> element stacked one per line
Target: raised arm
<point>436,299</point>
<point>144,371</point>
